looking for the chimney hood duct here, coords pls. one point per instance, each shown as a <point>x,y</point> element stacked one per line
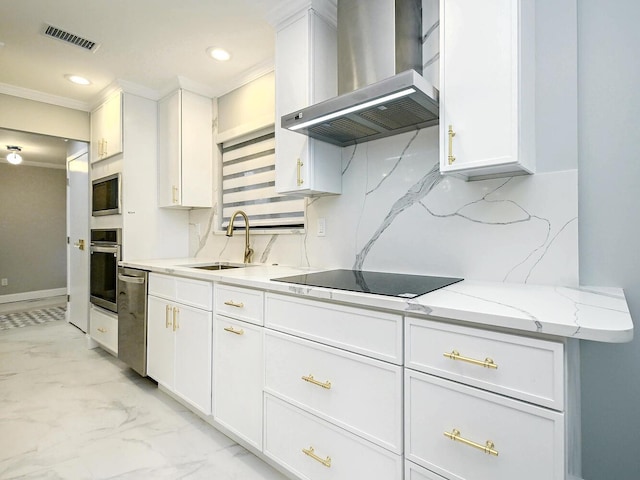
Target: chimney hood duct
<point>376,40</point>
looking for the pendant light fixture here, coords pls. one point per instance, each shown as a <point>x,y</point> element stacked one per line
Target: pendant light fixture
<point>14,157</point>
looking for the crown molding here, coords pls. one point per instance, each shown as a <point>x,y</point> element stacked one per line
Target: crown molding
<point>44,97</point>
<point>288,11</point>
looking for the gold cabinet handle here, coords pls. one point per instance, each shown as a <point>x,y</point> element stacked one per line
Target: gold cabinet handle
<point>102,330</point>
<point>451,135</point>
<point>105,147</point>
<point>486,448</point>
<point>79,244</point>
<point>311,453</point>
<point>231,303</point>
<point>100,148</point>
<point>176,311</point>
<point>167,314</point>
<point>174,194</point>
<point>487,362</point>
<point>310,379</point>
<point>299,165</point>
<point>233,330</point>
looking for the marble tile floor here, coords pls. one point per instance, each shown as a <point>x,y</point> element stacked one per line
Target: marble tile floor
<point>67,412</point>
<point>11,307</point>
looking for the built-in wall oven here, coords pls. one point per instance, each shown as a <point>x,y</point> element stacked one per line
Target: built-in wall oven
<point>105,255</point>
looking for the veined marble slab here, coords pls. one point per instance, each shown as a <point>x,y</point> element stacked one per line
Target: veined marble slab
<point>586,313</point>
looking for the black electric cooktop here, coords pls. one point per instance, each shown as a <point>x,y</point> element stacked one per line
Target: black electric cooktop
<point>381,283</point>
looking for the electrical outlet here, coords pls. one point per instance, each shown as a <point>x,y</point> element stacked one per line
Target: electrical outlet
<point>321,227</point>
<point>4,282</point>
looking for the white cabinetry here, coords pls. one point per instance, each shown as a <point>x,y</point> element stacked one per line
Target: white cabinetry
<point>103,328</point>
<point>185,155</point>
<point>457,430</point>
<point>306,62</point>
<point>487,87</point>
<point>329,398</point>
<point>106,128</point>
<point>238,365</point>
<point>179,337</point>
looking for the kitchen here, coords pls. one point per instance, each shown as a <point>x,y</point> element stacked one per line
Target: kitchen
<point>468,245</point>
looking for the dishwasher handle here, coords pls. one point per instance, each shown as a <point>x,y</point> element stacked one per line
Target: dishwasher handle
<point>130,279</point>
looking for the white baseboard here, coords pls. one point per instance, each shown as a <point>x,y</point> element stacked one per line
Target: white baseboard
<point>36,295</point>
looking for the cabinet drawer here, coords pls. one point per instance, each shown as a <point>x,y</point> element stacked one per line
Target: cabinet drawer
<point>289,430</point>
<point>357,393</point>
<point>195,293</point>
<point>237,302</point>
<point>527,369</point>
<point>104,329</point>
<point>416,472</point>
<point>371,333</point>
<point>528,440</point>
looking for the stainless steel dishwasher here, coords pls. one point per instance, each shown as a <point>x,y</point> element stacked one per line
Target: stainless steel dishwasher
<point>132,318</point>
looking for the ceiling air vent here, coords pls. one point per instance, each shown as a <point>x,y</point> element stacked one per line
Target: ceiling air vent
<point>54,32</point>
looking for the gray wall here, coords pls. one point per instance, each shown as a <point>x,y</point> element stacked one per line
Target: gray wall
<point>33,252</point>
<point>609,199</point>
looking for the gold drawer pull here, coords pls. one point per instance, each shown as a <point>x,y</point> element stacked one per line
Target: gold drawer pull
<point>311,453</point>
<point>233,330</point>
<point>102,330</point>
<point>487,362</point>
<point>486,448</point>
<point>231,303</point>
<point>310,379</point>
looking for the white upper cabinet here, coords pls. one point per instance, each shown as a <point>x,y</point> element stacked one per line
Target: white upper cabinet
<point>185,155</point>
<point>106,128</point>
<point>306,73</point>
<point>487,87</point>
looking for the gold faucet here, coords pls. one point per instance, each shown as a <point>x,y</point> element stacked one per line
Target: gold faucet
<point>248,251</point>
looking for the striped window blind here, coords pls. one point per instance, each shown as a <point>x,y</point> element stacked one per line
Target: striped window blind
<point>248,184</point>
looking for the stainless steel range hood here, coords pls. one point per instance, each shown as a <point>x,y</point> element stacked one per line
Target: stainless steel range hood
<point>376,40</point>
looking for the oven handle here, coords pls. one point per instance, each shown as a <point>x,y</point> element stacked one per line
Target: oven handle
<point>105,249</point>
<point>129,279</point>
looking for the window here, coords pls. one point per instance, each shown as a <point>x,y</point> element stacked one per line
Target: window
<point>248,184</point>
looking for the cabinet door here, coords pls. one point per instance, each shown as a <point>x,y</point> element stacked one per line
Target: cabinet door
<point>106,129</point>
<point>238,378</point>
<point>305,46</point>
<point>160,341</point>
<point>169,151</point>
<point>486,87</point>
<point>193,356</point>
<point>97,129</point>
<point>196,154</point>
<point>113,126</point>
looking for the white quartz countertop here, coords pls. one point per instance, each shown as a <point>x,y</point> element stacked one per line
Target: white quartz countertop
<point>586,313</point>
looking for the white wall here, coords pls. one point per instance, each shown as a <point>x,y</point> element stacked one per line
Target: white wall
<point>37,117</point>
<point>609,176</point>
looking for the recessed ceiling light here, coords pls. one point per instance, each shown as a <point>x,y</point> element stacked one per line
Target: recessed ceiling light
<point>219,54</point>
<point>78,80</point>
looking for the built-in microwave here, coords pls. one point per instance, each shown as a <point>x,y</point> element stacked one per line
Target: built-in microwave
<point>105,195</point>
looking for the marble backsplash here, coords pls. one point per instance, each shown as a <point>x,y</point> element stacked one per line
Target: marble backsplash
<point>398,214</point>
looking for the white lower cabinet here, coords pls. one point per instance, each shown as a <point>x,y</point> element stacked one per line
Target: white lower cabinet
<point>238,378</point>
<point>312,448</point>
<point>179,338</point>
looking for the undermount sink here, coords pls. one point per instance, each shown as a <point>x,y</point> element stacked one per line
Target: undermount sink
<point>217,266</point>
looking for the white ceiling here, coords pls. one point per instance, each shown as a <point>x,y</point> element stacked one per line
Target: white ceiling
<point>149,43</point>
